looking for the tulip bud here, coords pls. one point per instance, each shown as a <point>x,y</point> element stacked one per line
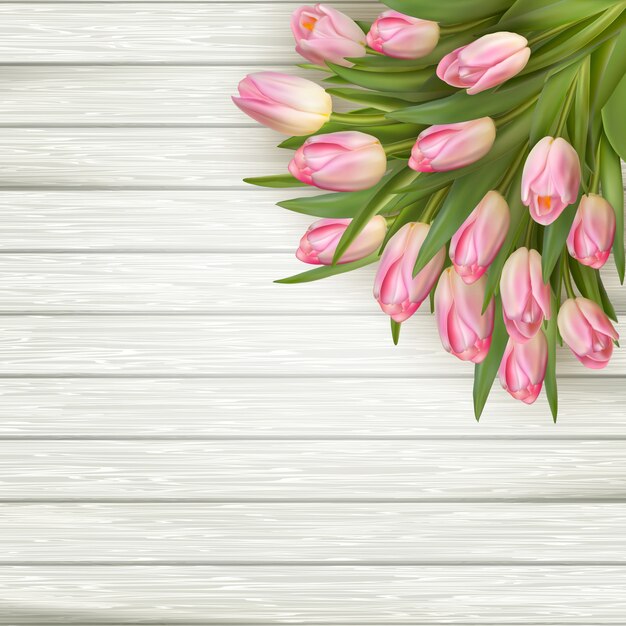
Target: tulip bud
<point>586,329</point>
<point>479,239</point>
<point>288,104</point>
<point>397,292</point>
<point>402,36</point>
<point>525,297</point>
<point>325,34</point>
<point>343,161</point>
<point>551,179</point>
<point>319,243</point>
<point>523,368</point>
<point>450,146</point>
<point>464,330</point>
<point>593,231</point>
<point>485,63</point>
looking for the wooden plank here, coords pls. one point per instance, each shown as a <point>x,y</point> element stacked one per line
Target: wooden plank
<point>325,409</point>
<point>344,595</point>
<point>150,220</point>
<point>196,283</point>
<point>178,33</point>
<point>137,157</point>
<point>273,470</point>
<point>235,345</point>
<point>126,95</point>
<point>257,533</point>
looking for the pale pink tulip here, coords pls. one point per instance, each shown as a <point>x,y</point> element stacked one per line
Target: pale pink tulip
<point>397,292</point>
<point>451,146</point>
<point>523,368</point>
<point>343,161</point>
<point>464,330</point>
<point>551,179</point>
<point>485,63</point>
<point>402,36</point>
<point>586,329</point>
<point>479,239</point>
<point>319,243</point>
<point>325,34</point>
<point>593,231</point>
<point>525,297</point>
<point>288,104</point>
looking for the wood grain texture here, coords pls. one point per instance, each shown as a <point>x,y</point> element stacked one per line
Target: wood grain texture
<point>321,408</point>
<point>442,533</point>
<point>196,283</point>
<point>207,33</point>
<point>346,595</point>
<point>313,470</point>
<point>127,95</point>
<point>236,345</point>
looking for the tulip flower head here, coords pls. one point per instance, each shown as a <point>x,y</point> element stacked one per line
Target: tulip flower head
<point>402,36</point>
<point>551,179</point>
<point>447,147</point>
<point>397,291</point>
<point>485,63</point>
<point>525,297</point>
<point>593,231</point>
<point>588,332</point>
<point>476,243</point>
<point>325,34</point>
<point>319,243</point>
<point>464,330</point>
<point>523,367</point>
<point>343,161</point>
<point>288,104</point>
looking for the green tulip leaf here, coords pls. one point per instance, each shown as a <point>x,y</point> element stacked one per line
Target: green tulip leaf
<point>608,69</point>
<point>550,379</point>
<point>554,238</point>
<point>325,271</point>
<point>395,331</point>
<point>383,81</point>
<point>486,372</point>
<point>613,118</point>
<point>278,181</point>
<point>376,100</point>
<point>449,11</point>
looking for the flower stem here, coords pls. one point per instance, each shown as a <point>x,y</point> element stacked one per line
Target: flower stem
<point>567,105</point>
<point>567,277</point>
<point>529,233</point>
<point>594,183</point>
<point>513,113</point>
<point>399,146</point>
<point>506,181</point>
<point>357,119</point>
<point>433,205</point>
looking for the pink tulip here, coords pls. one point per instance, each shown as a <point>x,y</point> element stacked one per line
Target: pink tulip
<point>479,239</point>
<point>450,146</point>
<point>402,36</point>
<point>551,179</point>
<point>464,330</point>
<point>288,104</point>
<point>325,34</point>
<point>523,368</point>
<point>344,161</point>
<point>525,297</point>
<point>397,292</point>
<point>485,63</point>
<point>593,231</point>
<point>319,243</point>
<point>587,331</point>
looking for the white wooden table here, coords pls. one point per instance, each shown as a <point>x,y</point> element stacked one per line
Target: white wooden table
<point>183,441</point>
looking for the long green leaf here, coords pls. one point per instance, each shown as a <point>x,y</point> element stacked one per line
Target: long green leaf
<point>607,305</point>
<point>485,372</point>
<point>383,81</point>
<point>449,11</point>
<point>613,192</point>
<point>367,98</point>
<point>395,331</point>
<point>554,238</point>
<point>550,379</point>
<point>580,113</point>
<point>465,194</point>
<point>384,198</point>
<point>278,180</point>
<point>338,205</point>
<point>613,118</point>
<point>609,69</point>
<point>460,107</point>
<point>325,271</point>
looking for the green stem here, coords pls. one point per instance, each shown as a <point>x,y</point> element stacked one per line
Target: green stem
<point>594,183</point>
<point>529,233</point>
<point>357,119</point>
<point>503,187</point>
<point>546,34</point>
<point>567,277</point>
<point>567,105</point>
<point>513,113</point>
<point>399,146</point>
<point>433,205</point>
<point>462,27</point>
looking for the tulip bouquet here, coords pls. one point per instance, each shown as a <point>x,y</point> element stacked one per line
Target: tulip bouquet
<point>480,168</point>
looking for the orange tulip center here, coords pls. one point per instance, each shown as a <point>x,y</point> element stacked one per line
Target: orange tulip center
<point>309,22</point>
<point>545,202</point>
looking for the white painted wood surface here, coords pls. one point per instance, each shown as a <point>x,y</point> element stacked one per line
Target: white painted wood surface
<point>183,441</point>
